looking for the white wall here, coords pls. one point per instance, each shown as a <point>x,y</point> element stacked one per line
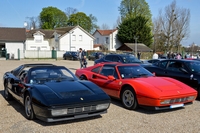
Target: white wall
<point>114,43</point>
<point>12,49</point>
<point>31,44</point>
<point>85,43</point>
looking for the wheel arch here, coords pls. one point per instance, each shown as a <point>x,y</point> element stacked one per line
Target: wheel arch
<point>123,87</point>
<point>84,76</point>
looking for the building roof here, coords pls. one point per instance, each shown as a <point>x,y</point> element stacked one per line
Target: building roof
<point>131,47</point>
<point>50,33</point>
<point>105,32</point>
<point>12,34</point>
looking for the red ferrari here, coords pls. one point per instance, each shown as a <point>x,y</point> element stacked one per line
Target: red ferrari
<point>136,86</point>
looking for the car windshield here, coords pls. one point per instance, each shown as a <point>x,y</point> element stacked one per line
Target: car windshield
<point>194,66</point>
<point>50,74</point>
<point>130,59</point>
<point>133,72</point>
<point>74,53</point>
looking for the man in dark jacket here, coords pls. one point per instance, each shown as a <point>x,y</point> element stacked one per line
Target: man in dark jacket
<point>81,55</point>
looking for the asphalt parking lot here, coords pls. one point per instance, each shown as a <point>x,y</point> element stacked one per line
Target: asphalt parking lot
<point>117,120</point>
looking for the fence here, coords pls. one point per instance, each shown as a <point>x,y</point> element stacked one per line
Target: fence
<point>45,54</point>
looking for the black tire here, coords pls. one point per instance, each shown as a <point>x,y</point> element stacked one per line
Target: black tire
<point>129,99</point>
<point>28,108</point>
<point>83,77</point>
<point>198,92</point>
<point>7,95</point>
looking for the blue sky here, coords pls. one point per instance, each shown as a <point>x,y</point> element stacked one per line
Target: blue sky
<point>13,13</point>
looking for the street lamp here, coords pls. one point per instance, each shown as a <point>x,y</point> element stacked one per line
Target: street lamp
<point>135,37</point>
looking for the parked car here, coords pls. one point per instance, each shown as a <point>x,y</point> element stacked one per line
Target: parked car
<point>95,55</point>
<point>186,71</point>
<point>70,55</point>
<point>151,61</point>
<point>53,93</point>
<point>136,86</point>
<point>123,58</point>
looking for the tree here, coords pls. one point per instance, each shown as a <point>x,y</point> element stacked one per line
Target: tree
<point>52,17</point>
<point>33,22</point>
<point>94,21</point>
<point>135,27</point>
<point>173,26</point>
<point>134,8</point>
<point>105,27</point>
<point>69,11</point>
<point>82,20</point>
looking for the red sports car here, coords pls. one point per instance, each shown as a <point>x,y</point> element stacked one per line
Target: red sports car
<point>136,86</point>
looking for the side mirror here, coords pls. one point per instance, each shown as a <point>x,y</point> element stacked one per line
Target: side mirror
<point>110,77</point>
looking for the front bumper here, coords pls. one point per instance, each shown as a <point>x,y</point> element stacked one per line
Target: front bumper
<point>73,111</point>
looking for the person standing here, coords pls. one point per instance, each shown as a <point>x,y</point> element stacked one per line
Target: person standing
<point>155,56</point>
<point>81,55</point>
<point>138,55</point>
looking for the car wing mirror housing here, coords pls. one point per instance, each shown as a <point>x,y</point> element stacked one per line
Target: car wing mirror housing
<point>110,77</point>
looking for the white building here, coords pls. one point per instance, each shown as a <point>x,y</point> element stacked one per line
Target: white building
<point>12,39</point>
<point>63,39</point>
<point>107,38</point>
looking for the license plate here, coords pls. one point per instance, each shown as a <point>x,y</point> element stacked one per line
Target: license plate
<point>176,106</point>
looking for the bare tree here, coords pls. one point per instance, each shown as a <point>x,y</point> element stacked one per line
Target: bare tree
<point>105,27</point>
<point>33,23</point>
<point>69,11</point>
<point>172,26</point>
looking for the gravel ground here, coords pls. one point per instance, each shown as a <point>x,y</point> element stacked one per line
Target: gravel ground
<point>117,120</point>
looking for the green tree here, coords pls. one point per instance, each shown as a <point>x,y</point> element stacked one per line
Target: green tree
<point>135,27</point>
<point>94,21</point>
<point>82,20</point>
<point>134,8</point>
<point>52,17</point>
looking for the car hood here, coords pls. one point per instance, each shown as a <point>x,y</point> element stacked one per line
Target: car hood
<point>70,92</point>
<point>161,84</point>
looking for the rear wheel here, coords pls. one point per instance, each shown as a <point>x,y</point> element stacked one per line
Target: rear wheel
<point>28,108</point>
<point>7,94</point>
<point>128,98</point>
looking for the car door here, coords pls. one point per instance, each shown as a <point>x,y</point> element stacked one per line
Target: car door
<point>177,70</point>
<point>111,87</point>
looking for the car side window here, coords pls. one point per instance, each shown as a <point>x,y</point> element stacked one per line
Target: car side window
<point>109,70</point>
<point>175,66</point>
<point>162,64</point>
<point>109,57</point>
<point>116,59</point>
<point>96,70</point>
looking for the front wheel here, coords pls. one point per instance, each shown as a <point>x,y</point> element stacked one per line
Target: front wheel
<point>28,108</point>
<point>129,99</point>
<point>7,94</point>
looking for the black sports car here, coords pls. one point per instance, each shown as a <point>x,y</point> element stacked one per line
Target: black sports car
<point>187,71</point>
<point>53,93</point>
<point>70,55</point>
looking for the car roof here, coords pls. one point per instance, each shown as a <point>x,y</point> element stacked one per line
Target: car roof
<point>119,64</point>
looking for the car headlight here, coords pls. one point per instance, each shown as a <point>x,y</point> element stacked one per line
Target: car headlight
<point>102,106</point>
<point>190,98</point>
<point>59,112</point>
<point>165,101</point>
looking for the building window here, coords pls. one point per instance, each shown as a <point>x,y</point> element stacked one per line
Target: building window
<point>107,40</point>
<point>38,39</point>
<point>73,37</point>
<point>97,40</point>
<point>80,37</point>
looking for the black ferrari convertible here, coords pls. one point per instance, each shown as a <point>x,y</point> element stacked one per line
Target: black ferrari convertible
<point>53,93</point>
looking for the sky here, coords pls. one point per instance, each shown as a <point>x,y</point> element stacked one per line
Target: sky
<point>13,13</point>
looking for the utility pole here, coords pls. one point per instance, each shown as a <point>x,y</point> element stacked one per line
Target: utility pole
<point>135,37</point>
